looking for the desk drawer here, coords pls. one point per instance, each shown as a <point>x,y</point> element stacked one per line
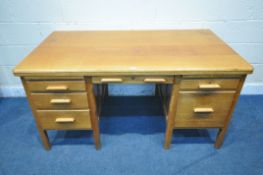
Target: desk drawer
<point>76,100</point>
<point>213,121</point>
<point>64,119</point>
<point>209,84</point>
<point>56,86</point>
<point>134,79</point>
<point>203,109</point>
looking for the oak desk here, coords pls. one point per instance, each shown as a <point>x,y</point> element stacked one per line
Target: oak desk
<point>198,77</point>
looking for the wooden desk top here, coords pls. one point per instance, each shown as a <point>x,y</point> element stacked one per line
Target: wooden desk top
<point>167,52</point>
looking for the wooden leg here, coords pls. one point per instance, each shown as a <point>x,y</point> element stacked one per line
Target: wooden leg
<point>44,137</point>
<point>168,136</point>
<point>220,137</point>
<point>222,131</point>
<point>93,114</point>
<point>171,115</point>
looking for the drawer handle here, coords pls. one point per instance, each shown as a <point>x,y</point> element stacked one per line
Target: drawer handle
<point>209,86</point>
<point>203,110</point>
<point>154,80</point>
<point>60,101</point>
<point>65,120</point>
<point>57,88</point>
<point>111,80</point>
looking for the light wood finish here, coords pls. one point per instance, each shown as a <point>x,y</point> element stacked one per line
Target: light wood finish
<point>209,86</point>
<point>54,78</point>
<point>93,112</point>
<point>203,110</point>
<point>60,101</point>
<point>169,52</point>
<point>201,121</point>
<point>222,131</point>
<point>197,109</point>
<point>42,132</point>
<point>154,80</point>
<point>56,86</point>
<point>76,100</point>
<point>198,77</point>
<point>134,79</point>
<point>111,80</point>
<point>220,101</point>
<point>64,119</point>
<point>171,114</point>
<point>210,83</point>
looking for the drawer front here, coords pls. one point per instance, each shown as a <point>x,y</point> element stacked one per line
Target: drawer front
<point>213,121</point>
<point>134,79</point>
<point>64,119</point>
<point>77,100</point>
<point>209,84</point>
<point>56,86</point>
<point>203,109</point>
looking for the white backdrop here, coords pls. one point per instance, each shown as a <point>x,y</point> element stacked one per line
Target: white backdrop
<point>25,23</point>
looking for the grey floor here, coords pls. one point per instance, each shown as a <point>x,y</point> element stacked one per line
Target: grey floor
<point>132,134</point>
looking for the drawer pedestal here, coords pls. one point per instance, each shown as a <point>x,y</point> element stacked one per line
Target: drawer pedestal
<point>59,103</point>
<point>201,102</point>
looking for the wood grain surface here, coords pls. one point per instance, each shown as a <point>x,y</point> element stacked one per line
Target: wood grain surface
<point>169,52</point>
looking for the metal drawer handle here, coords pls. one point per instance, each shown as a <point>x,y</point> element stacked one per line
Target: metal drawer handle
<point>64,120</point>
<point>209,86</point>
<point>60,101</point>
<point>57,88</point>
<point>154,80</point>
<point>203,110</point>
<point>111,80</point>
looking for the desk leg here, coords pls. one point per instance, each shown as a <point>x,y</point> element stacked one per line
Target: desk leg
<point>93,114</point>
<point>171,115</point>
<point>222,131</point>
<point>42,132</point>
<point>44,137</point>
